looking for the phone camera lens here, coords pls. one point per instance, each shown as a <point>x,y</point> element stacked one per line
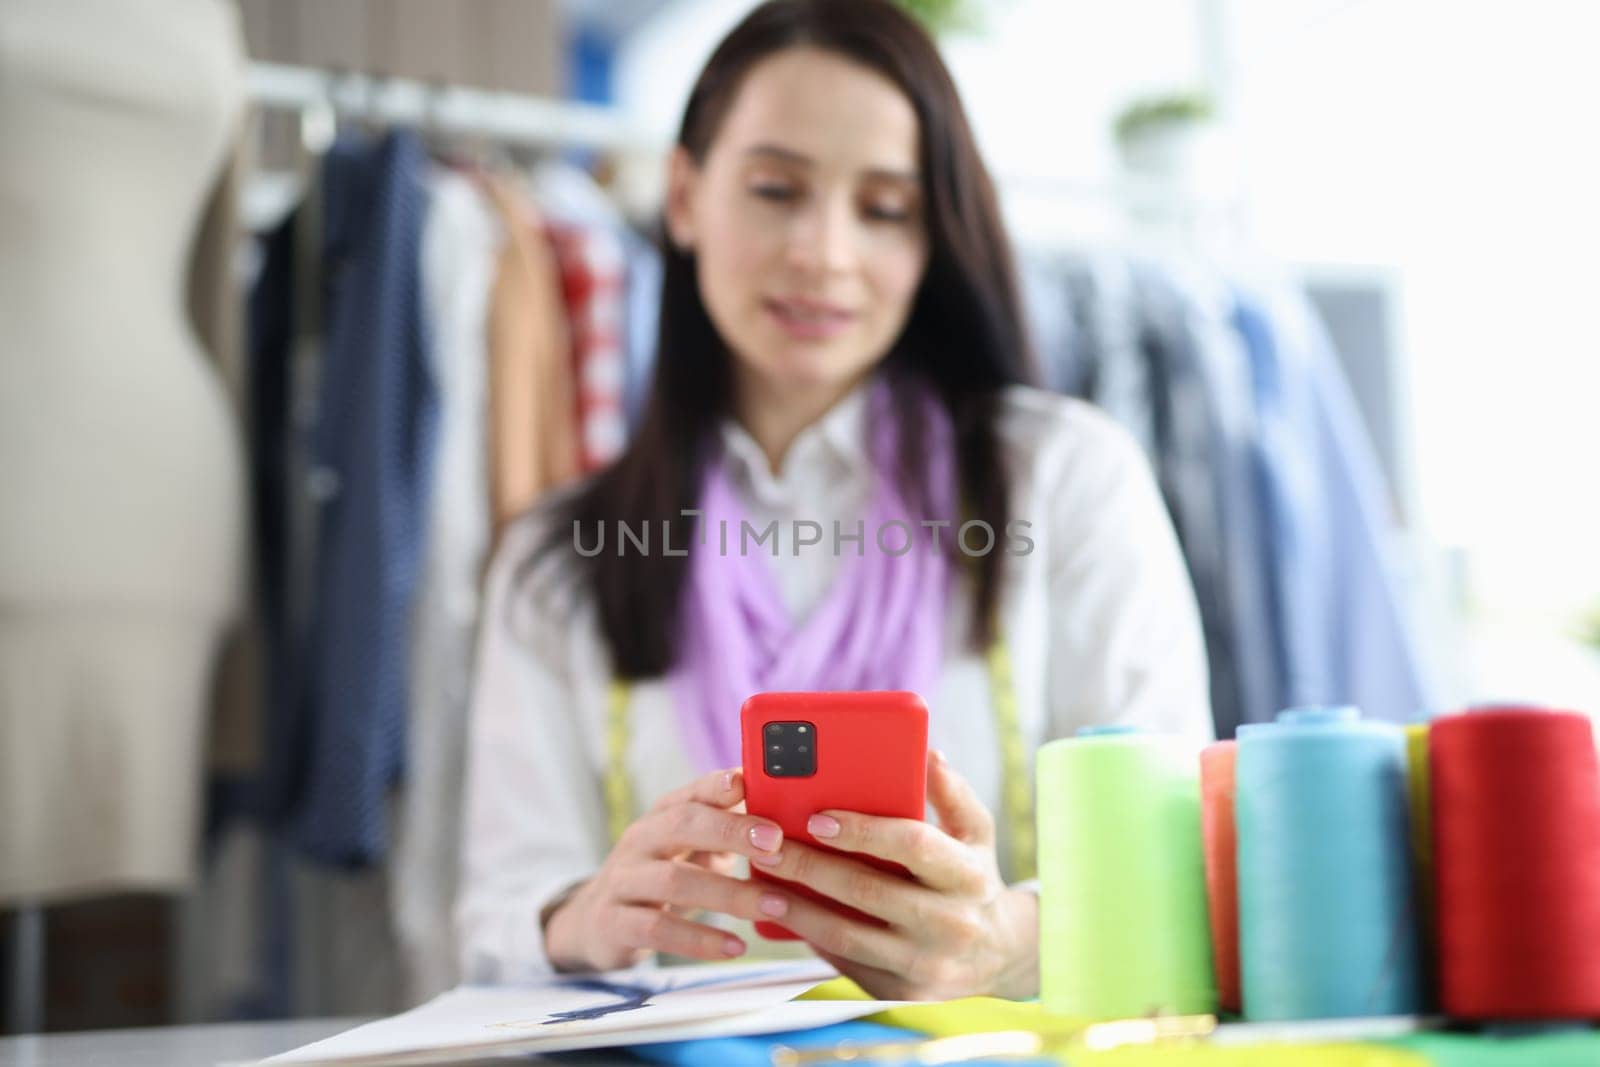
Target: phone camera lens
<point>789,751</point>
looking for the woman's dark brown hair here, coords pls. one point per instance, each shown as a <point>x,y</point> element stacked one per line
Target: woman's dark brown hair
<point>964,337</point>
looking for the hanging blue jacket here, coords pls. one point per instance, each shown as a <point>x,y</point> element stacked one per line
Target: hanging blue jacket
<point>1205,431</point>
<point>372,448</point>
<point>1342,617</point>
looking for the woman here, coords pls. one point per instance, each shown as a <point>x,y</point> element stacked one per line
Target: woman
<point>842,353</point>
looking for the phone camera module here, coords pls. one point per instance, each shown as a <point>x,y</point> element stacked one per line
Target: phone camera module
<point>790,749</point>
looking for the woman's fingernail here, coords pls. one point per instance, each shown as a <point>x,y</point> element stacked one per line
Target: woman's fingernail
<point>768,860</point>
<point>822,826</point>
<point>727,781</point>
<point>733,947</point>
<point>939,757</point>
<point>774,905</point>
<point>766,837</point>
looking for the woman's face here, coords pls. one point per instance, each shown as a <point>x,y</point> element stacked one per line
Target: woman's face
<point>806,221</point>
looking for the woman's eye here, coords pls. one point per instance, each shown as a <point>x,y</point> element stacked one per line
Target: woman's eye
<point>887,214</point>
<point>776,193</point>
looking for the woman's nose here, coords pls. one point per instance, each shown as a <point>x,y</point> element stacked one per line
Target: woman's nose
<point>823,238</point>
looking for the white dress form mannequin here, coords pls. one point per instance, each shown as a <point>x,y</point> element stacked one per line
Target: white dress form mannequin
<point>121,473</point>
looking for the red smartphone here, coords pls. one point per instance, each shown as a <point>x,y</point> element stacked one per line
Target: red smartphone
<point>846,751</point>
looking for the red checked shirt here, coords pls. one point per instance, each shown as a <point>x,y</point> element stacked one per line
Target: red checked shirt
<point>593,269</point>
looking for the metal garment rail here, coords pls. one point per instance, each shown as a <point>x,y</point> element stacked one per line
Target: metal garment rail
<point>505,118</point>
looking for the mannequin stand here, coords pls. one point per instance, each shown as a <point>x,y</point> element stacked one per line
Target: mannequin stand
<point>25,1005</point>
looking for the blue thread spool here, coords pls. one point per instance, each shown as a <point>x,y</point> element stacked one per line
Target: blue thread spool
<point>1327,927</point>
<point>1107,729</point>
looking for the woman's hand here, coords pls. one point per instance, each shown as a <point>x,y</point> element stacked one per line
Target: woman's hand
<point>675,858</point>
<point>956,931</point>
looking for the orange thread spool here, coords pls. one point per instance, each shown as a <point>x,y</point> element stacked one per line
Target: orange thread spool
<point>1222,894</point>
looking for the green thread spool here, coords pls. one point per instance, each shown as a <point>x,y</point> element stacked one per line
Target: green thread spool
<point>1123,927</point>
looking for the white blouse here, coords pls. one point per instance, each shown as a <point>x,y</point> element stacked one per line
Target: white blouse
<point>1099,620</point>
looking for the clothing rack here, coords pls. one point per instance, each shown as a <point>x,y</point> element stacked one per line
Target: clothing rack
<point>505,118</point>
<point>1053,210</point>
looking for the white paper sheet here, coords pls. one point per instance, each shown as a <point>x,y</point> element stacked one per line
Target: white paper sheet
<point>568,1012</point>
<point>1319,1031</point>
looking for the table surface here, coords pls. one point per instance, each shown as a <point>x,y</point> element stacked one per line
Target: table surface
<point>209,1046</point>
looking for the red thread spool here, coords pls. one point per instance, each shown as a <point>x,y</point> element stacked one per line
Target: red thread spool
<point>1516,853</point>
<point>1222,876</point>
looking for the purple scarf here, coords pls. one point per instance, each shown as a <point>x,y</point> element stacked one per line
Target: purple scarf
<point>879,626</point>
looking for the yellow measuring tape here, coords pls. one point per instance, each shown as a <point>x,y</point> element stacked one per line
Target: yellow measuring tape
<point>619,790</point>
<point>1016,783</point>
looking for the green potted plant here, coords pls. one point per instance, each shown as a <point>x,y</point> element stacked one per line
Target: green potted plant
<point>1589,628</point>
<point>943,17</point>
<point>1157,135</point>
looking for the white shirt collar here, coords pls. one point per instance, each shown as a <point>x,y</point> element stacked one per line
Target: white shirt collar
<point>840,435</point>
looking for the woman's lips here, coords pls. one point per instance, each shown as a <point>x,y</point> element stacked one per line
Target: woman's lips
<point>807,320</point>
